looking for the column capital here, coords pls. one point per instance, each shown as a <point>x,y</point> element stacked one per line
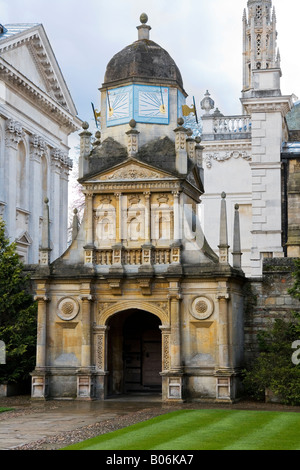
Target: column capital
<point>86,298</point>
<point>41,298</point>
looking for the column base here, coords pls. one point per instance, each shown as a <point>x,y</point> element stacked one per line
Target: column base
<point>39,385</point>
<point>85,386</point>
<point>172,388</point>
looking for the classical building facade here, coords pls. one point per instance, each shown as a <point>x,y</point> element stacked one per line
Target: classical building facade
<point>140,302</point>
<point>150,294</point>
<point>37,114</point>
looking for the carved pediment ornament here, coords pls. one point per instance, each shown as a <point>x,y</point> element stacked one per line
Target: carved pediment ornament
<point>132,172</point>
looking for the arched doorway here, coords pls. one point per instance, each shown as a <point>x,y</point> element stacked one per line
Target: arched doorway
<point>134,353</point>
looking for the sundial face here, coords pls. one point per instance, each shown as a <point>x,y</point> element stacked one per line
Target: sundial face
<point>151,104</point>
<point>118,106</point>
<point>144,104</point>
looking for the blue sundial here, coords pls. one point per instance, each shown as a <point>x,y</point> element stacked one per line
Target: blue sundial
<point>151,104</point>
<point>118,105</point>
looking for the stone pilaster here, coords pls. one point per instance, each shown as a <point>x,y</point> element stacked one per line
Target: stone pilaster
<point>13,136</point>
<point>85,376</point>
<point>89,246</point>
<point>39,382</point>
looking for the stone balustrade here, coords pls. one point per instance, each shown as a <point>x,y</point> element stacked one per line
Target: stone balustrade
<point>231,124</point>
<point>134,256</point>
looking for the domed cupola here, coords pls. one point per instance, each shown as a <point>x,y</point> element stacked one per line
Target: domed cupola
<point>142,84</point>
<point>144,60</point>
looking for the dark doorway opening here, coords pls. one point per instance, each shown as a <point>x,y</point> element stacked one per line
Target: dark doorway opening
<point>134,353</point>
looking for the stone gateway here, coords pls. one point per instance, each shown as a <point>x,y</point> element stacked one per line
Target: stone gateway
<point>140,302</point>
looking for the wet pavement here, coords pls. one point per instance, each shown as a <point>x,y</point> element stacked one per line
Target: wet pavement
<point>30,423</point>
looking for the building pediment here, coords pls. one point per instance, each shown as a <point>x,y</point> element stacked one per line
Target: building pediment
<point>24,239</point>
<point>131,170</point>
<point>28,51</point>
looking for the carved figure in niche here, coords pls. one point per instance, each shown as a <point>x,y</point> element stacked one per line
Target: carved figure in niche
<point>105,224</point>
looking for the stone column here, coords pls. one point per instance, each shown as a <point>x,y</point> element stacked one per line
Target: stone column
<point>166,364</point>
<point>147,217</point>
<point>41,331</point>
<point>35,196</point>
<point>39,386</point>
<point>13,136</point>
<point>100,348</point>
<point>85,379</point>
<point>89,246</point>
<point>86,347</point>
<point>224,373</point>
<point>119,224</point>
<point>177,222</point>
<point>223,335</point>
<point>175,374</point>
<point>175,333</point>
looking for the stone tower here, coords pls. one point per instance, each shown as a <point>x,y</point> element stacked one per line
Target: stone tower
<point>262,100</point>
<point>140,302</point>
<point>261,59</point>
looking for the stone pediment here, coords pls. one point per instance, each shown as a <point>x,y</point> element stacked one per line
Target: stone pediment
<point>29,53</point>
<point>132,171</point>
<point>24,239</point>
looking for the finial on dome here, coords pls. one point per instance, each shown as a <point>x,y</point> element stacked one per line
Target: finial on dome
<point>144,29</point>
<point>144,18</point>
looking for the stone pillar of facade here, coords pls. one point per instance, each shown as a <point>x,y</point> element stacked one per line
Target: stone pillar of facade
<point>223,371</point>
<point>177,219</point>
<point>85,377</point>
<point>89,246</point>
<point>13,136</point>
<point>35,195</point>
<point>174,388</point>
<point>63,226</point>
<point>100,360</point>
<point>56,168</point>
<point>39,384</point>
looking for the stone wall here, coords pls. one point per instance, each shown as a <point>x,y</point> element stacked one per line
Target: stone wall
<point>267,299</point>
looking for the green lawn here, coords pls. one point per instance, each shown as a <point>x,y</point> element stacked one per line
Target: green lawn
<point>2,410</point>
<point>205,430</point>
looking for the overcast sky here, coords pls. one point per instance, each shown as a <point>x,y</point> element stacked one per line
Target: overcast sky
<point>204,37</point>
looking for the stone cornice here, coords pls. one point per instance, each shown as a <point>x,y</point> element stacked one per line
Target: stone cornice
<point>282,104</point>
<point>97,187</point>
<point>38,97</point>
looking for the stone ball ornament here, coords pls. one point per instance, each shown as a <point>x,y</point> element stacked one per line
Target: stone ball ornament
<point>67,308</point>
<point>202,308</point>
<point>144,18</point>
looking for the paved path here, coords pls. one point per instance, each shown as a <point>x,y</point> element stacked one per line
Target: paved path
<point>34,424</point>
